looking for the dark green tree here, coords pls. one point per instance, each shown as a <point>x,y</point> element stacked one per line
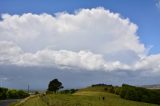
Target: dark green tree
<point>140,94</point>
<point>54,85</point>
<point>3,92</point>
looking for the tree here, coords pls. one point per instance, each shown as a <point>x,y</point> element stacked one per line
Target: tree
<point>140,94</point>
<point>54,85</point>
<point>12,94</point>
<point>3,92</point>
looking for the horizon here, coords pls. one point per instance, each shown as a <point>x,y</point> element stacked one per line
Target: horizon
<point>79,42</point>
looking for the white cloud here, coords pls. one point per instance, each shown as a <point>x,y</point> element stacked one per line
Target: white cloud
<point>92,39</point>
<point>9,52</point>
<point>12,54</point>
<point>63,58</point>
<point>96,29</point>
<point>149,63</point>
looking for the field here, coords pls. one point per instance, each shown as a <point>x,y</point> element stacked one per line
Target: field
<point>84,97</point>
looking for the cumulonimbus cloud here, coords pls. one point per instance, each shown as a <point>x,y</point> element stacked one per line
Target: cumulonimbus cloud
<point>52,58</point>
<point>94,29</point>
<point>12,54</point>
<point>93,39</point>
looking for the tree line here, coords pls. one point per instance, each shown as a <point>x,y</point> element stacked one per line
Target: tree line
<point>140,94</point>
<point>6,93</point>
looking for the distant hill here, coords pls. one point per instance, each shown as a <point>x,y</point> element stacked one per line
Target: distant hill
<point>154,86</point>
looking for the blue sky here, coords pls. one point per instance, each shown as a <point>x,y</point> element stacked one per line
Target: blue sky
<point>92,45</point>
<point>144,13</point>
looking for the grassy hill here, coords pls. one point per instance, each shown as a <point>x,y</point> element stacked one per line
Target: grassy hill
<point>91,96</point>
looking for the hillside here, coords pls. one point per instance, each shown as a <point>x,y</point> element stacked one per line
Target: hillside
<point>91,96</point>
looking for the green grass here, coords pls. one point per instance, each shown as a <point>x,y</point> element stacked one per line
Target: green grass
<point>84,97</point>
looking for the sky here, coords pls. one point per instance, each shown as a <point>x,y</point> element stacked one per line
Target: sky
<point>80,42</point>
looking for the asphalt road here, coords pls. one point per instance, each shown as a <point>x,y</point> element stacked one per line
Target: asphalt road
<point>7,102</point>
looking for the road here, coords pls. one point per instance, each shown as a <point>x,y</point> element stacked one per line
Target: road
<point>7,102</point>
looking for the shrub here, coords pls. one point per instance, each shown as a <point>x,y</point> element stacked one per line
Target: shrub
<point>69,91</point>
<point>36,92</point>
<point>12,94</point>
<point>139,94</point>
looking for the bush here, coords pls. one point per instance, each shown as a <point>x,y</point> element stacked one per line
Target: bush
<point>36,92</point>
<point>12,94</point>
<point>117,90</point>
<point>113,89</point>
<point>139,94</point>
<point>94,85</point>
<point>69,91</point>
<point>49,92</point>
<point>3,92</point>
<point>22,94</point>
